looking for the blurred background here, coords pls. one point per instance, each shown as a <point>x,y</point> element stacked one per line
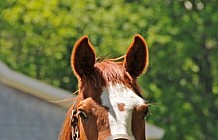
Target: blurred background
<point>37,37</point>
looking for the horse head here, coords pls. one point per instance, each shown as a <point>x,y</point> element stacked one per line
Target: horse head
<point>109,105</point>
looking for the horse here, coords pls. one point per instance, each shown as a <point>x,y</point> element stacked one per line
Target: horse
<point>109,104</point>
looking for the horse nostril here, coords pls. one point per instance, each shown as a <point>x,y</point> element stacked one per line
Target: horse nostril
<point>121,139</point>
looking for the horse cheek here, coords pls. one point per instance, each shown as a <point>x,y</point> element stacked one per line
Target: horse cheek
<point>138,128</point>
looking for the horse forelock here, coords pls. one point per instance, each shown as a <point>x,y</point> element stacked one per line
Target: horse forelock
<point>109,72</point>
<point>105,73</point>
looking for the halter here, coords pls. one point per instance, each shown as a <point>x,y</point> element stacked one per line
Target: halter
<point>74,123</point>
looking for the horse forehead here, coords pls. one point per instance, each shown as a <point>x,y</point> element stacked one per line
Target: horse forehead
<point>121,101</point>
<point>113,94</point>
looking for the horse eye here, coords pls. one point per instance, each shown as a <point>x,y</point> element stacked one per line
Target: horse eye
<point>82,115</point>
<point>145,114</point>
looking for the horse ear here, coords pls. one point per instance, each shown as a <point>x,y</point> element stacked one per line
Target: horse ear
<point>136,60</point>
<point>83,57</point>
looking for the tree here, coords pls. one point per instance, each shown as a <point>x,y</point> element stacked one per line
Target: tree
<point>37,38</point>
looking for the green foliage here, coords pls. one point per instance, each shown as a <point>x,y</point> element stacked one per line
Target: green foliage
<point>37,38</point>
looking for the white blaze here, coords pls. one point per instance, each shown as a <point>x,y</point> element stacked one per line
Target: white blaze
<point>120,121</point>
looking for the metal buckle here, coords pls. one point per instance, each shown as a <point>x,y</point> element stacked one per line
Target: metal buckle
<point>74,125</point>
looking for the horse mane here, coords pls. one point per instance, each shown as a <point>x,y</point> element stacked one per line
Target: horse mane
<point>65,133</point>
